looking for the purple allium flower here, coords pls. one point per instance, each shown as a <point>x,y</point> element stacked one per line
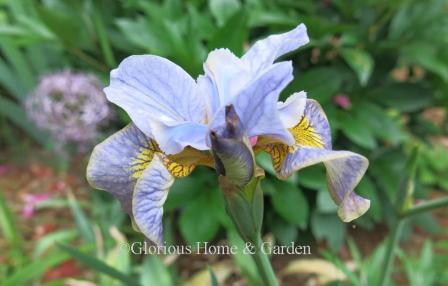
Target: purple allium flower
<point>69,106</point>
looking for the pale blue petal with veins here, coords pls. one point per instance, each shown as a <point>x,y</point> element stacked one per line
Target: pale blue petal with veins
<point>149,196</point>
<point>158,94</point>
<point>344,168</point>
<point>110,166</point>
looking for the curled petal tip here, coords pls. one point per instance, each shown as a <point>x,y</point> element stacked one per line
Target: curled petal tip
<point>353,207</point>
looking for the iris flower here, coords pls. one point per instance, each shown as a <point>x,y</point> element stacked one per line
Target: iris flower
<point>173,116</point>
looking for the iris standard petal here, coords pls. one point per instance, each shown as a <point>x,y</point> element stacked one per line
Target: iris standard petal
<point>229,75</point>
<point>150,193</point>
<point>313,145</point>
<point>153,89</point>
<point>116,163</point>
<point>292,109</point>
<point>264,52</point>
<point>256,105</point>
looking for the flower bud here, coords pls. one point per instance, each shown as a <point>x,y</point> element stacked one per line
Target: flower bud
<point>234,158</point>
<point>234,162</point>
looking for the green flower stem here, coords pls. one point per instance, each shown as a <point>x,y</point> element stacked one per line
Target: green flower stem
<point>427,206</point>
<point>390,252</point>
<point>263,264</point>
<point>397,230</point>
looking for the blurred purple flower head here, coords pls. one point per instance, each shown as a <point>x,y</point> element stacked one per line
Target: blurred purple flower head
<point>69,106</point>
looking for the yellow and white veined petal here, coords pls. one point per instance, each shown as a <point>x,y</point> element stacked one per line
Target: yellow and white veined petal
<point>117,163</point>
<point>313,145</point>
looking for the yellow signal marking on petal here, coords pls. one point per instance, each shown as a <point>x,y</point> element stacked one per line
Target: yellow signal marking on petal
<point>146,155</point>
<point>306,135</point>
<point>143,159</point>
<point>177,170</point>
<point>278,153</point>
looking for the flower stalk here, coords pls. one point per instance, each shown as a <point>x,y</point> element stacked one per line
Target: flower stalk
<point>235,165</point>
<point>404,209</point>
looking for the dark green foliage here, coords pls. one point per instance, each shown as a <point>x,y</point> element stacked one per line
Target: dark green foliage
<point>389,58</point>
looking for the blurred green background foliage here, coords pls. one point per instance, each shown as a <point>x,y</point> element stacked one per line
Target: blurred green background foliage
<point>379,68</point>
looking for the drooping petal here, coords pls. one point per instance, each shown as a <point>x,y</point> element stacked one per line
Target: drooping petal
<point>152,89</point>
<point>117,163</point>
<point>344,171</point>
<point>264,52</point>
<point>256,105</point>
<point>292,109</point>
<point>313,145</point>
<point>150,193</point>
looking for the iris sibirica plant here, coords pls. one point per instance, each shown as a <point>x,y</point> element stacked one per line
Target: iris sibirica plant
<point>221,120</point>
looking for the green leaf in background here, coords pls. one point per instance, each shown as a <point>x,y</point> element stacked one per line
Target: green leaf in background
<point>325,203</point>
<point>222,10</point>
<point>360,61</point>
<point>51,239</point>
<point>65,25</point>
<point>290,203</point>
<point>82,222</point>
<point>10,232</point>
<point>154,273</point>
<point>328,227</point>
<point>18,61</point>
<point>34,270</point>
<point>104,39</point>
<point>16,114</point>
<point>313,177</point>
<point>311,81</point>
<point>232,35</point>
<point>283,231</point>
<point>213,277</point>
<point>379,122</point>
<point>118,257</point>
<point>10,82</point>
<point>98,265</point>
<point>245,262</point>
<point>404,97</point>
<point>356,130</point>
<point>428,56</point>
<point>367,190</point>
<point>200,220</point>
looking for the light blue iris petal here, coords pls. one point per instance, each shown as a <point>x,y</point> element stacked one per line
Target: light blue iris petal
<point>153,89</point>
<point>344,169</point>
<point>109,167</point>
<point>149,196</point>
<point>292,109</point>
<point>318,120</point>
<point>256,105</point>
<point>228,74</point>
<point>264,52</point>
